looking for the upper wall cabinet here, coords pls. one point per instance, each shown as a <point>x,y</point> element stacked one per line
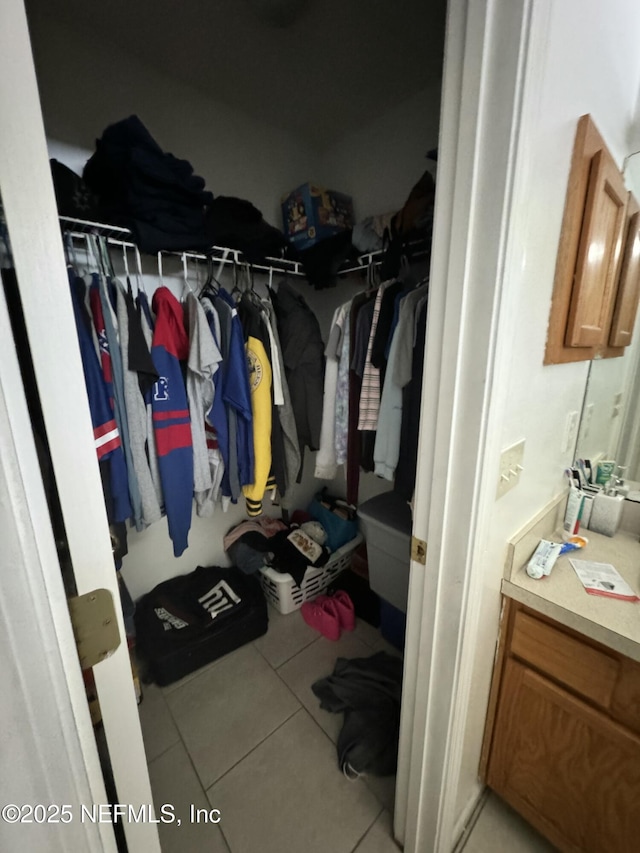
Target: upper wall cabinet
<point>597,284</point>
<point>626,304</point>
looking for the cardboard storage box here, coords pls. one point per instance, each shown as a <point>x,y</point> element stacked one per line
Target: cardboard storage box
<point>311,214</point>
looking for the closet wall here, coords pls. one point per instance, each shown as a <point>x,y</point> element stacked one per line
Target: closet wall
<point>86,83</point>
<point>379,163</point>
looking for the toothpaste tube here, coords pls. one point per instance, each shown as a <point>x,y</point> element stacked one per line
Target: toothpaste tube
<point>543,559</point>
<point>571,524</point>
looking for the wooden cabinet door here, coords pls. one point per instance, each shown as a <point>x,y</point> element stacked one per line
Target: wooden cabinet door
<point>626,304</point>
<point>564,766</point>
<point>599,255</point>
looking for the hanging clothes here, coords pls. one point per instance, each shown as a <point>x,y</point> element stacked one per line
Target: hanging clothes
<point>172,424</point>
<point>260,382</point>
<point>326,458</point>
<point>237,397</point>
<point>147,382</point>
<point>106,328</point>
<point>370,391</point>
<point>106,435</point>
<point>342,391</point>
<point>230,478</point>
<point>357,353</point>
<point>387,444</point>
<point>405,479</point>
<point>303,357</point>
<point>285,415</point>
<point>203,361</point>
<point>206,501</point>
<point>384,326</point>
<point>239,392</point>
<point>132,345</point>
<point>217,418</point>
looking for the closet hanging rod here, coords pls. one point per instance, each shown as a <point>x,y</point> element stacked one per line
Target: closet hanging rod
<point>413,248</point>
<point>115,235</point>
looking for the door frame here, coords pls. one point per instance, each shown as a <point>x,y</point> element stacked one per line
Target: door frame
<point>486,53</point>
<point>32,219</point>
<point>56,759</point>
<point>453,472</point>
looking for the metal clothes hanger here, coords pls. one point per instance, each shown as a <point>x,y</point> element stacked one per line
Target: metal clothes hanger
<point>185,275</point>
<point>139,274</point>
<point>373,278</point>
<point>125,260</point>
<point>211,279</point>
<point>236,288</point>
<point>160,269</point>
<point>251,291</point>
<point>105,257</point>
<point>91,258</point>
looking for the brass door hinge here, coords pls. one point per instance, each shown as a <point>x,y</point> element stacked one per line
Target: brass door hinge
<point>418,550</point>
<point>95,626</point>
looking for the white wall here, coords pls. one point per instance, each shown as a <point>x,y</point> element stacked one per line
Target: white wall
<point>583,59</point>
<point>379,164</point>
<point>86,84</point>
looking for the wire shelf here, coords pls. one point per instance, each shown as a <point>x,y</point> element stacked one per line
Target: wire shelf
<point>118,236</point>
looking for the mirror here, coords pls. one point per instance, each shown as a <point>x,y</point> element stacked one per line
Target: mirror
<point>610,418</point>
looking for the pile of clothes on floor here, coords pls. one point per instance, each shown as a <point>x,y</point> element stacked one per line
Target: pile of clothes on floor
<point>266,541</point>
<point>368,692</point>
<point>307,541</point>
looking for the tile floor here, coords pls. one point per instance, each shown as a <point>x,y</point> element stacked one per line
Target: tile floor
<point>499,829</point>
<point>246,735</point>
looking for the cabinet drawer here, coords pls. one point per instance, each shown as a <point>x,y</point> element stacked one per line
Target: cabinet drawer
<point>625,705</point>
<point>580,667</point>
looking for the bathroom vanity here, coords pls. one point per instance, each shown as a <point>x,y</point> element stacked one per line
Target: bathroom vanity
<point>562,738</point>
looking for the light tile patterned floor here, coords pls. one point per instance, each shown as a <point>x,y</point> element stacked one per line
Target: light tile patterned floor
<point>500,830</point>
<point>246,735</point>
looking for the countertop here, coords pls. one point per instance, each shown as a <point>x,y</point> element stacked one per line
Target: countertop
<point>614,623</point>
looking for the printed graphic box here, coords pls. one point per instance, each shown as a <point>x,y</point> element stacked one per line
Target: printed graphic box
<point>311,214</point>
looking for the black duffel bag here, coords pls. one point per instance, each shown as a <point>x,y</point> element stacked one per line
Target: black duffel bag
<point>190,620</point>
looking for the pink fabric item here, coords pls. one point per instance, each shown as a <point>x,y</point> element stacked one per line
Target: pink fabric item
<point>346,610</point>
<point>263,524</point>
<point>323,616</point>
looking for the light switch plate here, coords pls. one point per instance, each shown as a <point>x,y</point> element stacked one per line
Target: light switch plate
<point>510,468</point>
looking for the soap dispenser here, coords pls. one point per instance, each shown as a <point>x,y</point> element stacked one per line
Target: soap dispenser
<point>607,509</point>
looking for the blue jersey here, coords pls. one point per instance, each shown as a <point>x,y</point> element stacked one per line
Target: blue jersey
<point>171,420</point>
<point>237,394</point>
<point>105,431</point>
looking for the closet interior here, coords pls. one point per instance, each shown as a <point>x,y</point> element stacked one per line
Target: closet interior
<point>288,456</point>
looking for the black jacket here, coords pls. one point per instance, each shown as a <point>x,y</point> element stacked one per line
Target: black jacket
<point>303,355</point>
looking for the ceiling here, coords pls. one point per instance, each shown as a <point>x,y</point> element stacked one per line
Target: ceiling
<point>338,65</point>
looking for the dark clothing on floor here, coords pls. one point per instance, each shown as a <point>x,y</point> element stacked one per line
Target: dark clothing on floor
<point>368,691</point>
